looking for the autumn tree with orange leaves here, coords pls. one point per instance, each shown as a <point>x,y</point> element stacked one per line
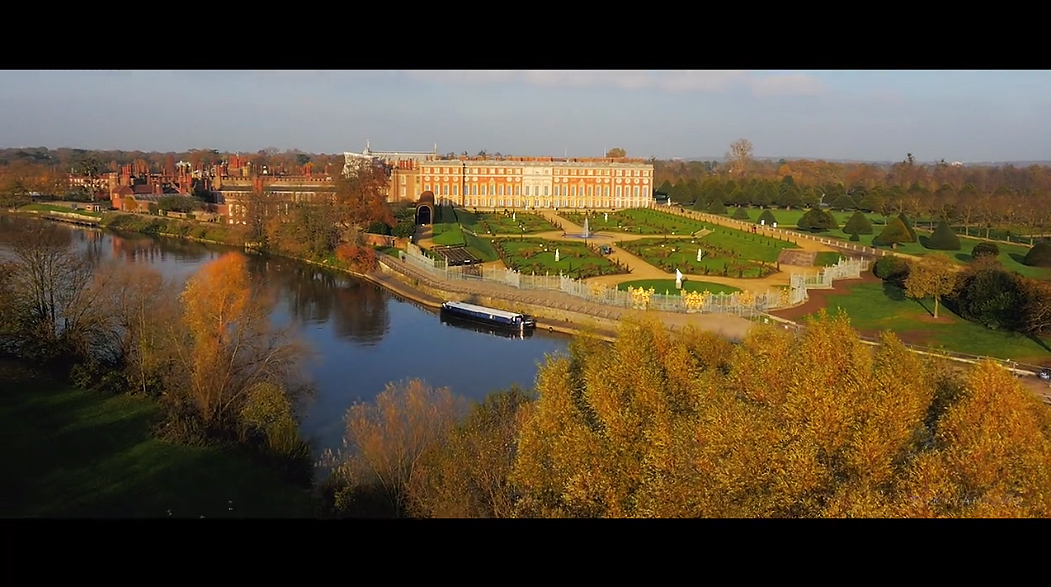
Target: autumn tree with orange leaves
<point>229,348</point>
<point>810,425</point>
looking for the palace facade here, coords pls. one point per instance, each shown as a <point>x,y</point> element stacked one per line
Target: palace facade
<point>517,182</point>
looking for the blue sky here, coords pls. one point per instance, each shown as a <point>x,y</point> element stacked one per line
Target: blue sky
<point>868,115</point>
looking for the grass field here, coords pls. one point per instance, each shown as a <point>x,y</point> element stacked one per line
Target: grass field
<point>70,453</point>
<point>728,252</point>
<point>639,221</point>
<point>826,258</point>
<point>538,256</point>
<point>64,209</point>
<point>882,306</point>
<point>668,285</point>
<point>498,223</point>
<point>447,235</point>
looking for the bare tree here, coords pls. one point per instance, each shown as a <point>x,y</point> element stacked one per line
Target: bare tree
<point>740,155</point>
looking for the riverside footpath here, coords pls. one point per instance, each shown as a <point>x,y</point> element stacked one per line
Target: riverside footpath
<point>555,311</point>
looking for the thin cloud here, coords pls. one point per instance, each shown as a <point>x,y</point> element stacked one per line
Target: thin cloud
<point>673,81</point>
<point>797,84</point>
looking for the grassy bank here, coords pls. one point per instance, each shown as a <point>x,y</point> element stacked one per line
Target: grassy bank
<point>71,453</point>
<point>882,306</point>
<point>160,226</point>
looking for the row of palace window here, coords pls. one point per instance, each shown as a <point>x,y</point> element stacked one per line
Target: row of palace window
<point>553,203</point>
<point>501,171</point>
<point>560,190</point>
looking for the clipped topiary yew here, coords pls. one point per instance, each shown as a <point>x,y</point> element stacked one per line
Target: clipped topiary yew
<point>985,249</point>
<point>943,238</point>
<point>894,233</point>
<point>766,217</point>
<point>740,213</point>
<point>1038,256</point>
<point>858,224</point>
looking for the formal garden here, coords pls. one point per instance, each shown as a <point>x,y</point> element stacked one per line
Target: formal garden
<point>638,221</point>
<point>725,252</point>
<point>538,256</point>
<point>505,223</point>
<point>665,286</point>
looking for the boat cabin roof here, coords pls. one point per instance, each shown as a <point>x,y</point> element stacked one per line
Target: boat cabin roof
<point>482,310</point>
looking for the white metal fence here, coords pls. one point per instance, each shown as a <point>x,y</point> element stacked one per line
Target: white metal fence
<point>739,303</point>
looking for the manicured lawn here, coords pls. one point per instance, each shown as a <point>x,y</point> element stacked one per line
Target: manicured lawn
<point>728,252</point>
<point>668,285</point>
<point>498,223</point>
<point>481,247</point>
<point>639,221</point>
<point>71,453</point>
<point>447,235</point>
<point>826,258</point>
<point>538,256</point>
<point>789,218</point>
<point>881,306</point>
<point>51,208</point>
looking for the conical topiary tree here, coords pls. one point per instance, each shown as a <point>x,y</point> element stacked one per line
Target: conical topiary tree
<point>854,237</point>
<point>858,224</point>
<point>893,234</point>
<point>943,238</point>
<point>741,213</point>
<point>717,207</point>
<point>908,226</point>
<point>1038,256</point>
<point>768,217</point>
<point>843,202</point>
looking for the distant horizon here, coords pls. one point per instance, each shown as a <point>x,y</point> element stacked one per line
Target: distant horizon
<point>863,116</point>
<point>721,158</point>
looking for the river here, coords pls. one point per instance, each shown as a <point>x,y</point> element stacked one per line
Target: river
<point>361,335</point>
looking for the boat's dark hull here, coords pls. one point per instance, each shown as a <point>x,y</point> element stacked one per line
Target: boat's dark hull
<point>484,328</point>
<point>488,320</point>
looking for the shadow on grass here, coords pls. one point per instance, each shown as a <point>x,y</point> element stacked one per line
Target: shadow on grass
<point>965,257</point>
<point>1039,341</point>
<point>1017,257</point>
<point>893,292</point>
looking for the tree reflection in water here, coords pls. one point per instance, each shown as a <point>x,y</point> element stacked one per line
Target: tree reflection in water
<point>357,308</point>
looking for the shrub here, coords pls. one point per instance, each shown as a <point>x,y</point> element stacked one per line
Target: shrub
<point>984,249</point>
<point>816,220</point>
<point>379,227</point>
<point>741,214</point>
<point>990,295</point>
<point>843,202</point>
<point>404,230</point>
<point>908,227</point>
<point>943,238</point>
<point>895,232</point>
<point>357,257</point>
<point>717,207</point>
<point>854,237</point>
<point>1038,256</point>
<point>768,216</point>
<point>858,224</point>
<point>893,269</point>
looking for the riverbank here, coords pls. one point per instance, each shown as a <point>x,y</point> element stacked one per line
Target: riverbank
<point>74,453</point>
<point>555,311</point>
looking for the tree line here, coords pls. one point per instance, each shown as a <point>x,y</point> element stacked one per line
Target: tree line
<point>812,424</point>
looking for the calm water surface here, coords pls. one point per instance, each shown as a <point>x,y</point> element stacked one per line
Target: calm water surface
<point>362,336</point>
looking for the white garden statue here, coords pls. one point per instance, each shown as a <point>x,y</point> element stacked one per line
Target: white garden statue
<point>699,254</point>
<point>556,255</point>
<point>514,215</point>
<point>678,279</point>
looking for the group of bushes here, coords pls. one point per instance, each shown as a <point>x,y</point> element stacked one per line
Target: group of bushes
<point>986,292</point>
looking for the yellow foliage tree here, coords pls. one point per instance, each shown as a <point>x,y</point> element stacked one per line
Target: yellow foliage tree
<point>816,424</point>
<point>933,276</point>
<point>230,344</point>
